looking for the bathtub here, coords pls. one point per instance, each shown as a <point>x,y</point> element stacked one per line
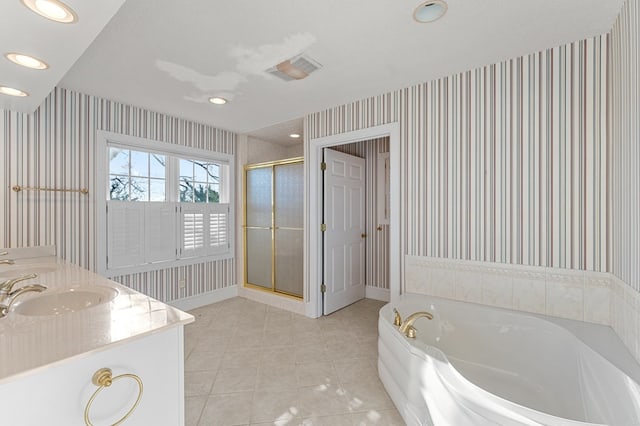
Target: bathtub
<point>477,365</point>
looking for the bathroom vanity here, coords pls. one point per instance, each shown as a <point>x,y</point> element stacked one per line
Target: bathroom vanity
<point>53,343</point>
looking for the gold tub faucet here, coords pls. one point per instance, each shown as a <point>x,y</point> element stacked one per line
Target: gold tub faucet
<point>397,319</point>
<point>407,327</point>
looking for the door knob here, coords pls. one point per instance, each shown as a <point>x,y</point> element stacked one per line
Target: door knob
<point>379,228</point>
<point>363,235</point>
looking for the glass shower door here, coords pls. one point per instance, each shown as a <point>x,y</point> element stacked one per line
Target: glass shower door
<point>288,218</point>
<point>274,216</point>
<point>259,229</point>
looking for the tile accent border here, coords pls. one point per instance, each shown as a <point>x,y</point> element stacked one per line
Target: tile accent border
<point>625,314</point>
<point>594,297</point>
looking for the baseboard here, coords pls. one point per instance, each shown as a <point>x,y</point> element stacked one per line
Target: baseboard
<point>194,302</point>
<point>376,293</point>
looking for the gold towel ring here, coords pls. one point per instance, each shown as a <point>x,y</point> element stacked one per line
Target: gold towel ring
<point>103,379</point>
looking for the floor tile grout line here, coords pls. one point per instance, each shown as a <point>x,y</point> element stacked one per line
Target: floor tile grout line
<point>324,332</point>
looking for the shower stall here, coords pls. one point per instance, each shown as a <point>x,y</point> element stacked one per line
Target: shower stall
<point>273,226</point>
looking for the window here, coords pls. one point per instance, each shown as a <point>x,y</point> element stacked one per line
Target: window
<point>165,205</point>
<point>136,175</point>
<point>199,181</point>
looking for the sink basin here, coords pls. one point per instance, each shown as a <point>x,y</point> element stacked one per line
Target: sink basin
<point>15,271</point>
<point>62,301</point>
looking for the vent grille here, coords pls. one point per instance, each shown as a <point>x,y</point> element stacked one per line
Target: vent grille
<point>301,63</point>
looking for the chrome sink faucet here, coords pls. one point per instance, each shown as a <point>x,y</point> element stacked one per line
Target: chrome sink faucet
<point>4,307</point>
<point>406,326</point>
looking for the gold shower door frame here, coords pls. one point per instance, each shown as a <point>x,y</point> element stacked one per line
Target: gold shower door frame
<point>273,227</point>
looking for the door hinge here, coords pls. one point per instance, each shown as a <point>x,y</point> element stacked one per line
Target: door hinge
<point>323,288</point>
<point>323,227</point>
<point>323,166</point>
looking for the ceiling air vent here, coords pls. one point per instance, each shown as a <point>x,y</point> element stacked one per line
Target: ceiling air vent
<point>295,68</point>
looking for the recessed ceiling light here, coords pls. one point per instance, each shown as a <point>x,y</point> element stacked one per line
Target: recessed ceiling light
<point>218,101</point>
<point>5,90</point>
<point>52,9</point>
<point>430,11</point>
<point>27,61</point>
<point>294,135</point>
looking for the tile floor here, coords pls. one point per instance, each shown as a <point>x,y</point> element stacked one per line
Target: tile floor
<point>251,364</point>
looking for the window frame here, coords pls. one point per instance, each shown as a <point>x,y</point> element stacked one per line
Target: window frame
<point>100,194</point>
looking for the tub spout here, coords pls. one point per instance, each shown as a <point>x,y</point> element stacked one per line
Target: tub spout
<point>397,319</point>
<point>407,327</point>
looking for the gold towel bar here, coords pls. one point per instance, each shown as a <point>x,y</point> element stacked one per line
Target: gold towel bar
<point>18,188</point>
<point>103,379</point>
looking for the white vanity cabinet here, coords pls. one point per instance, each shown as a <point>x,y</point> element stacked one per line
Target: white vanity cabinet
<point>57,394</point>
<point>48,357</point>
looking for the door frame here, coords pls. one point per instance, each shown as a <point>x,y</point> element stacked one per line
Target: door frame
<point>313,218</point>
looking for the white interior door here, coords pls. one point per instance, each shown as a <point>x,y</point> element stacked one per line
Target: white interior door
<point>344,217</point>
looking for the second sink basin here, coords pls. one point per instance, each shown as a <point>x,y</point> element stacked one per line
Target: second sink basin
<point>61,301</point>
<point>16,271</point>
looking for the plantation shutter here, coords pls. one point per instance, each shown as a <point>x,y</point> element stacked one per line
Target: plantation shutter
<point>193,234</point>
<point>218,228</point>
<point>125,234</point>
<point>160,232</point>
<point>205,229</point>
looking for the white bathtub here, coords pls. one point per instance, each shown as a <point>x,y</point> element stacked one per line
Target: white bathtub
<point>476,365</point>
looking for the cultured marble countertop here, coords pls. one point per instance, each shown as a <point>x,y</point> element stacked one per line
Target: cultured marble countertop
<point>28,343</point>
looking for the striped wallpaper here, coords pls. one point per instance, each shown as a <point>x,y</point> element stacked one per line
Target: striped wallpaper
<point>505,163</point>
<point>377,242</point>
<point>54,147</point>
<point>625,144</point>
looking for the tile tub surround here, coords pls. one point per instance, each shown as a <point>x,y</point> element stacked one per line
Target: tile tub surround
<point>252,364</point>
<point>588,296</point>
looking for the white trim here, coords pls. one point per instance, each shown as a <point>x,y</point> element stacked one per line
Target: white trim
<point>98,196</point>
<point>157,266</point>
<point>381,189</point>
<point>150,145</point>
<point>313,180</point>
<point>193,302</point>
<point>376,293</point>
